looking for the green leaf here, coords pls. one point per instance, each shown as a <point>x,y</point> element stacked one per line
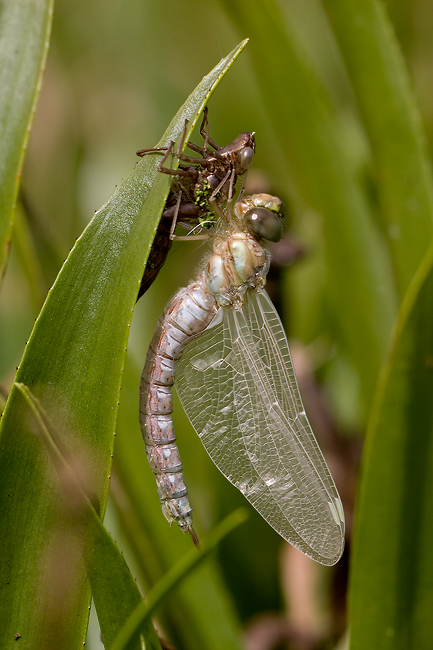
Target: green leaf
<point>392,564</point>
<point>383,91</point>
<point>73,365</point>
<point>178,573</point>
<point>114,590</point>
<point>308,132</point>
<point>25,27</point>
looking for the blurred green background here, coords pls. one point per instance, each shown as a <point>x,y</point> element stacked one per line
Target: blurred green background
<point>116,74</point>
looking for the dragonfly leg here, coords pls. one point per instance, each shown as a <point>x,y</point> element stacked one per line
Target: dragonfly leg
<point>218,211</point>
<point>182,140</point>
<point>194,537</point>
<point>204,132</point>
<point>176,212</point>
<point>143,152</point>
<point>179,210</point>
<point>166,151</point>
<point>189,237</point>
<point>188,171</point>
<point>220,185</point>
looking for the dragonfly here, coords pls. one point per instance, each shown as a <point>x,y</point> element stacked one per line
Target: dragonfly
<point>199,182</point>
<point>222,341</point>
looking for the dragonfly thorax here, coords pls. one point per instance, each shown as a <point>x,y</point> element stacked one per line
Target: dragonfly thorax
<point>240,261</point>
<point>237,264</point>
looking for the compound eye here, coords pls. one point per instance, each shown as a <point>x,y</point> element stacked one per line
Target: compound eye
<point>264,223</point>
<point>244,157</point>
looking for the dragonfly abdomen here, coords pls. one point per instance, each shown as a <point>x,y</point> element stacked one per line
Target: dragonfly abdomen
<point>189,313</point>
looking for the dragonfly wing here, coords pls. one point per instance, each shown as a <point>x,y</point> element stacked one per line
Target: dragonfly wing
<point>237,386</point>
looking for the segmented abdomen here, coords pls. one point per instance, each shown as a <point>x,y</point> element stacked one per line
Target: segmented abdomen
<point>189,313</point>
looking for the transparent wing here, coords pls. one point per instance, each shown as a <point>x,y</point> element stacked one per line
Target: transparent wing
<point>237,386</point>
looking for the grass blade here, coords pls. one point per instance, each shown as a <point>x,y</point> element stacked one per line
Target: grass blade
<point>114,590</point>
<point>309,135</point>
<point>25,27</point>
<point>385,98</point>
<point>178,573</point>
<point>392,567</point>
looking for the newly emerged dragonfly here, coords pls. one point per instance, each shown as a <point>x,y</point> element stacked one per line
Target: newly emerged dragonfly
<point>199,184</point>
<point>223,342</point>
